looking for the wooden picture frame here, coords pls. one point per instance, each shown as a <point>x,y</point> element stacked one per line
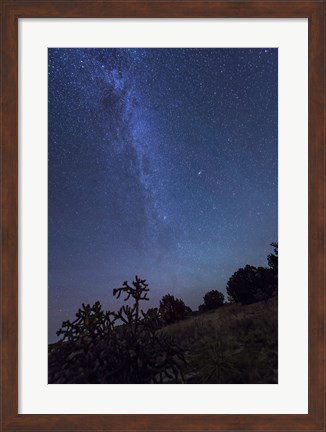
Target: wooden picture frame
<point>12,10</point>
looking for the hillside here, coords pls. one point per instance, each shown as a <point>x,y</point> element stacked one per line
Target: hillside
<point>231,345</point>
<point>234,344</point>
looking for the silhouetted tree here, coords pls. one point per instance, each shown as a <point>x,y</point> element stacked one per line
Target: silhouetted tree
<point>212,300</point>
<point>273,264</point>
<point>250,284</point>
<point>172,309</point>
<point>242,287</point>
<point>272,259</point>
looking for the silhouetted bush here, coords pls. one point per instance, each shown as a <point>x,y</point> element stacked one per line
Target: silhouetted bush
<point>93,349</point>
<point>172,309</point>
<point>212,300</point>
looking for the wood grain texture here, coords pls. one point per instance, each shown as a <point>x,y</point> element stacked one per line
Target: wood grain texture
<point>316,215</point>
<point>11,11</point>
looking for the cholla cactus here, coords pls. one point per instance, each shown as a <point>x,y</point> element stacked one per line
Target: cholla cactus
<point>94,349</point>
<point>130,316</point>
<point>91,323</point>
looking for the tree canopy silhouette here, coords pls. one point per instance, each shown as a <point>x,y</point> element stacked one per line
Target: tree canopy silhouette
<point>172,309</point>
<point>212,300</point>
<point>251,284</point>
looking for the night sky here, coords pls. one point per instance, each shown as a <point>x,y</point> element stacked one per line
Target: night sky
<point>162,163</point>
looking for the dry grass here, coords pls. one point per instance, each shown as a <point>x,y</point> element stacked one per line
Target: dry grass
<point>231,345</point>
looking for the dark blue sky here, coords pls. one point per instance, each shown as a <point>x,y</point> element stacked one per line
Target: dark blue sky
<point>162,163</point>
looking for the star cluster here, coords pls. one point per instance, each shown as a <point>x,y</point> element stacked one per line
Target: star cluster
<point>162,163</point>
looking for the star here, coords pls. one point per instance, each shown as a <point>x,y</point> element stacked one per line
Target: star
<point>159,162</point>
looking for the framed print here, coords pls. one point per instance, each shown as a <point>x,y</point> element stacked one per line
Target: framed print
<point>163,215</point>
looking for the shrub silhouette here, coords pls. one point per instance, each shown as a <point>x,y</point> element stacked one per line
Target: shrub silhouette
<point>212,300</point>
<point>172,309</point>
<point>94,349</point>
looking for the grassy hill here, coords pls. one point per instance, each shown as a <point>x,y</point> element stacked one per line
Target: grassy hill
<point>235,344</point>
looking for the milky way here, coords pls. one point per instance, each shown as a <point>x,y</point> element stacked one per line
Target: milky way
<point>162,163</point>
